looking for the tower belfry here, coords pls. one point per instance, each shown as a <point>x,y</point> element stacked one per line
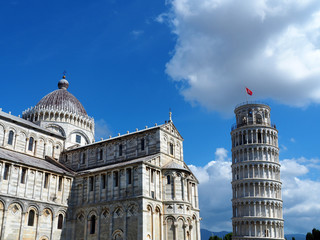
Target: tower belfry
<point>256,185</point>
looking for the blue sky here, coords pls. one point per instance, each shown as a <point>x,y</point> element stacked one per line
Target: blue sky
<point>128,62</point>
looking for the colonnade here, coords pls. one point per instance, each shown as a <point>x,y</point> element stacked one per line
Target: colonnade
<point>256,170</point>
<point>253,136</point>
<point>255,153</point>
<point>256,228</point>
<point>35,114</point>
<point>264,208</point>
<point>256,185</point>
<point>263,189</point>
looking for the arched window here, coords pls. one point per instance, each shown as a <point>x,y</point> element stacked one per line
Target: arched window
<point>31,218</point>
<point>259,119</point>
<point>115,179</point>
<point>168,179</point>
<point>30,147</point>
<point>78,138</point>
<point>120,150</point>
<point>60,221</point>
<point>171,148</point>
<point>93,224</point>
<point>100,155</point>
<point>10,138</point>
<point>83,158</point>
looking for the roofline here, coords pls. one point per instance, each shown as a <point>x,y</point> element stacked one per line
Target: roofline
<point>116,137</point>
<point>126,162</point>
<point>28,124</point>
<point>70,174</point>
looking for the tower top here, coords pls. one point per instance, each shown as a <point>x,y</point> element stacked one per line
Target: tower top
<point>251,104</point>
<point>63,83</point>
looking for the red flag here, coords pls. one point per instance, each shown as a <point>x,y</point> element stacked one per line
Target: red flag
<point>249,91</point>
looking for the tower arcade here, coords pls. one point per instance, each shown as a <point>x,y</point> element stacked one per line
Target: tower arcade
<point>256,184</point>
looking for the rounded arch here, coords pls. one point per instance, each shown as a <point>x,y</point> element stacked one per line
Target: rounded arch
<point>91,213</point>
<point>118,212</point>
<point>169,217</point>
<point>117,235</point>
<point>150,207</point>
<point>63,211</point>
<point>18,202</point>
<point>105,212</point>
<point>33,206</point>
<point>181,218</point>
<point>47,211</point>
<point>158,207</point>
<point>56,128</point>
<point>44,238</point>
<point>80,216</point>
<point>2,204</point>
<point>81,133</point>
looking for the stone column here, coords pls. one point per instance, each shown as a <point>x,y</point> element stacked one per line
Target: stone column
<point>44,149</point>
<point>260,210</point>
<point>37,227</point>
<point>3,227</point>
<point>15,141</point>
<point>35,148</point>
<point>175,230</point>
<point>4,141</point>
<point>27,144</point>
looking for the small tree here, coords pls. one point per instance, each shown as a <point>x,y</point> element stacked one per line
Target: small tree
<point>316,234</point>
<point>293,238</point>
<point>309,236</point>
<point>215,238</point>
<point>228,236</point>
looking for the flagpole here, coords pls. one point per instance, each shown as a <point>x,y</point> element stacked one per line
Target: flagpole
<point>246,95</point>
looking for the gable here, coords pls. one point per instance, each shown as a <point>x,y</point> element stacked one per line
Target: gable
<point>171,129</point>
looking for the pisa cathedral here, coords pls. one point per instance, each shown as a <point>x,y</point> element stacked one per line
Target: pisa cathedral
<point>56,182</point>
<point>256,185</point>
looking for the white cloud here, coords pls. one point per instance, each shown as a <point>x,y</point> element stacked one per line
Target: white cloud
<point>283,147</point>
<point>101,129</point>
<point>222,46</point>
<point>215,192</point>
<point>292,140</point>
<point>136,33</point>
<point>300,196</point>
<point>300,193</point>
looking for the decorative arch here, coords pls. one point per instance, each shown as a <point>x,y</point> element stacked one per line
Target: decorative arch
<point>105,221</point>
<point>56,128</point>
<point>32,216</point>
<point>157,223</point>
<point>45,220</point>
<point>14,216</point>
<point>81,133</point>
<point>170,225</point>
<point>118,212</point>
<point>117,235</point>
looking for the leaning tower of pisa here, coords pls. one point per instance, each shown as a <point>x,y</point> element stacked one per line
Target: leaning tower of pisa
<point>256,185</point>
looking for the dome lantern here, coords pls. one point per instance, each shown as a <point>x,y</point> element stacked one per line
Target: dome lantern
<point>63,83</point>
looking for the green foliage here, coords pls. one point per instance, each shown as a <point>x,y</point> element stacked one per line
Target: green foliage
<point>314,235</point>
<point>215,238</point>
<point>228,236</point>
<point>309,236</point>
<point>293,238</point>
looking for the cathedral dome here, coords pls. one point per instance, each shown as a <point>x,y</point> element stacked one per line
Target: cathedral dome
<point>61,99</point>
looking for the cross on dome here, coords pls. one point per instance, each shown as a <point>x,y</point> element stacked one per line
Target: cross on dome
<point>63,83</point>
